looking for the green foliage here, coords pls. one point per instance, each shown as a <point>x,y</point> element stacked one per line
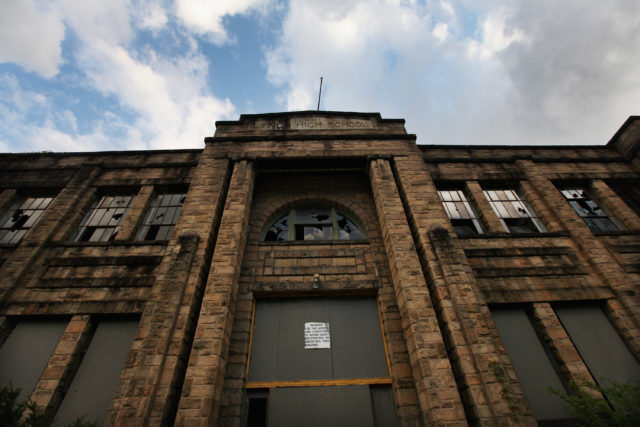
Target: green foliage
<point>622,409</point>
<point>26,414</point>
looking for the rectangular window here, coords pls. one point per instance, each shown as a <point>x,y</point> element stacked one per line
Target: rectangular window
<point>460,212</point>
<point>98,375</point>
<point>531,362</point>
<point>162,217</point>
<point>20,217</point>
<point>514,212</point>
<point>599,344</point>
<point>26,352</point>
<point>103,221</point>
<point>589,210</point>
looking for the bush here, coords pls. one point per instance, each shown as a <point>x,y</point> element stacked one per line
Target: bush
<point>621,409</point>
<point>26,413</point>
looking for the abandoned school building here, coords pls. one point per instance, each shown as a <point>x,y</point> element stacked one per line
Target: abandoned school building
<point>319,269</point>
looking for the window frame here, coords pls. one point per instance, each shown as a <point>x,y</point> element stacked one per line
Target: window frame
<point>36,203</point>
<point>588,214</point>
<point>526,216</point>
<point>148,228</point>
<point>85,232</point>
<point>333,219</point>
<point>473,218</point>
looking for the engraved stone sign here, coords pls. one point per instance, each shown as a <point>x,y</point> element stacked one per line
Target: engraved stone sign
<point>312,123</point>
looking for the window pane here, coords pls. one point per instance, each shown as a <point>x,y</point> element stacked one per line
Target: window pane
<point>599,344</point>
<point>162,217</point>
<point>26,352</point>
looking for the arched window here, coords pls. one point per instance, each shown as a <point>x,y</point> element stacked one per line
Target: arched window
<point>313,223</point>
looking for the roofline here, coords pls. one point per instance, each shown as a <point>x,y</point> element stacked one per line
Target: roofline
<point>623,128</point>
<point>112,153</point>
<point>305,113</point>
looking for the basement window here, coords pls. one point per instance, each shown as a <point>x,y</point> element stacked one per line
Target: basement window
<point>513,211</point>
<point>104,219</point>
<point>21,216</point>
<point>313,223</point>
<point>162,217</point>
<point>460,212</point>
<point>589,211</point>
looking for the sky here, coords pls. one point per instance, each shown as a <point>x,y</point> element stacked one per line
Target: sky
<point>96,75</point>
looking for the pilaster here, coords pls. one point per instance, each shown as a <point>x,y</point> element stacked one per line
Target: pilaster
<point>200,400</point>
<point>151,380</point>
<point>485,211</point>
<point>136,213</point>
<point>437,392</point>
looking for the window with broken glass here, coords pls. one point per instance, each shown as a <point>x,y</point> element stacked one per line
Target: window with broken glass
<point>20,217</point>
<point>589,210</point>
<point>460,212</point>
<point>104,219</point>
<point>161,217</point>
<point>513,211</point>
<point>313,223</point>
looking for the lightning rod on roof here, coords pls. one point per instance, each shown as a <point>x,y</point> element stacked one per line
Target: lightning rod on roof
<point>319,93</point>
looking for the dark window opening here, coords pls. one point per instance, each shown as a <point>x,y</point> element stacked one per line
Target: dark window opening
<point>21,216</point>
<point>257,408</point>
<point>104,219</point>
<point>162,217</point>
<point>629,192</point>
<point>589,211</point>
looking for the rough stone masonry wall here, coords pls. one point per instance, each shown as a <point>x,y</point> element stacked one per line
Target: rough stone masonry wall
<point>287,269</point>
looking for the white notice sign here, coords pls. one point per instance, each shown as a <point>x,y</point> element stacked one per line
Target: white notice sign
<point>316,335</point>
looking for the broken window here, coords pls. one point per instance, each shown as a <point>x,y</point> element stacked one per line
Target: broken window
<point>313,223</point>
<point>162,217</point>
<point>104,219</point>
<point>460,212</point>
<point>20,217</point>
<point>589,211</point>
<point>514,212</point>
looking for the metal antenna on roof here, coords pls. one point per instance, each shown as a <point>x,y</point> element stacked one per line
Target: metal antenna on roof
<point>319,93</point>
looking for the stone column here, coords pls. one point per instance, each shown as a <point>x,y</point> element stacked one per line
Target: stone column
<point>62,365</point>
<point>135,214</point>
<point>151,380</point>
<point>438,395</point>
<point>485,211</point>
<point>571,365</point>
<point>482,367</point>
<point>200,401</point>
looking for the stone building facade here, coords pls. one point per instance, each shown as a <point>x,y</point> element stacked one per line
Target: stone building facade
<point>319,268</point>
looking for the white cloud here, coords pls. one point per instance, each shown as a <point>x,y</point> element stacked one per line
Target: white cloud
<point>463,72</point>
<point>204,17</point>
<point>31,33</point>
<point>163,97</point>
